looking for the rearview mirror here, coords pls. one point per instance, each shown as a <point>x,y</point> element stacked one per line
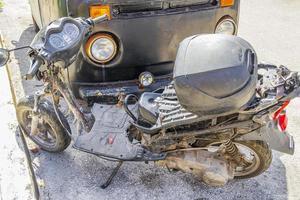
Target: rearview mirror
<point>4,56</point>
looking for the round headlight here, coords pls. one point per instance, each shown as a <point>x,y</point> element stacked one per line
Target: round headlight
<point>101,48</point>
<point>146,79</point>
<point>226,26</point>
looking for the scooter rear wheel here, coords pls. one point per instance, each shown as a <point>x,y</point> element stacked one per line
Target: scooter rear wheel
<point>257,154</point>
<point>261,159</point>
<point>51,135</point>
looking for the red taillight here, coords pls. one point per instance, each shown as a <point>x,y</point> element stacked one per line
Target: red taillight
<point>282,108</point>
<point>280,116</point>
<point>282,121</point>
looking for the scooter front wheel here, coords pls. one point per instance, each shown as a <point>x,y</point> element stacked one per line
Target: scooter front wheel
<point>51,135</point>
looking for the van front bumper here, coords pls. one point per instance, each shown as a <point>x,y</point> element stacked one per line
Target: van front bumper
<point>111,92</point>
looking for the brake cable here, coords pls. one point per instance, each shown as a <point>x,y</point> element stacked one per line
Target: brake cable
<point>126,106</point>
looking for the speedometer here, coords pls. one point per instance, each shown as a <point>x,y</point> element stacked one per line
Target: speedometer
<point>62,39</point>
<point>68,35</point>
<point>71,30</point>
<point>57,41</point>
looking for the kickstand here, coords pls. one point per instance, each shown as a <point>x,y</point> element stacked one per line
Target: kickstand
<point>113,174</point>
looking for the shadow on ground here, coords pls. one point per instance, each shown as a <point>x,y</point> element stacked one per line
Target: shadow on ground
<point>76,175</point>
<point>30,86</point>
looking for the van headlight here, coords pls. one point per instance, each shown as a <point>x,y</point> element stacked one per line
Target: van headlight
<point>226,26</point>
<point>101,48</point>
<point>146,79</point>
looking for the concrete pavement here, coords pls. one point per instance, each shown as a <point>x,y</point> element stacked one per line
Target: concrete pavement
<point>14,175</point>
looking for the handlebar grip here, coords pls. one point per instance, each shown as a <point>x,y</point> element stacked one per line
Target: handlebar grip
<point>99,19</point>
<point>35,65</point>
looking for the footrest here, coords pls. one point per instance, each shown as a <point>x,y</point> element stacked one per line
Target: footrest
<point>108,136</point>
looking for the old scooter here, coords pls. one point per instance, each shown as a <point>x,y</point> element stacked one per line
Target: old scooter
<point>218,119</point>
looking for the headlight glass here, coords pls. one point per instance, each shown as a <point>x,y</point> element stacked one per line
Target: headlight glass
<point>226,26</point>
<point>101,48</point>
<point>146,79</point>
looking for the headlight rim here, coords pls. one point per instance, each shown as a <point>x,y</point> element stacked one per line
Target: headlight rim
<point>224,19</point>
<point>92,39</point>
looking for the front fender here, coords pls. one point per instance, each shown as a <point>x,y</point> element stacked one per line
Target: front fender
<point>277,140</point>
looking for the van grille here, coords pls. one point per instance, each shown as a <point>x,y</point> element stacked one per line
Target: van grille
<point>151,6</point>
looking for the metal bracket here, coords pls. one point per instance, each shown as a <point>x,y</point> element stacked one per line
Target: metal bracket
<point>112,175</point>
<point>35,112</point>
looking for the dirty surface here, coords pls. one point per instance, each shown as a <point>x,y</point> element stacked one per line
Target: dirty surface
<point>273,29</point>
<point>14,179</point>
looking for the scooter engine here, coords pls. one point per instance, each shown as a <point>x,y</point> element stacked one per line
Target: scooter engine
<point>203,164</point>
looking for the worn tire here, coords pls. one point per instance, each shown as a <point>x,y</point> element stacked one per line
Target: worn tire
<point>47,112</point>
<point>35,25</point>
<point>264,153</point>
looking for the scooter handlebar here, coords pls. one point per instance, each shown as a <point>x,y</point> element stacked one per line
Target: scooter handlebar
<point>100,19</point>
<point>97,20</point>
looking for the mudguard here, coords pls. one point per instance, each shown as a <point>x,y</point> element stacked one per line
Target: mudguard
<point>277,140</point>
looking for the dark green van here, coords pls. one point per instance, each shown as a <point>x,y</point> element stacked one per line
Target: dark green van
<point>141,38</point>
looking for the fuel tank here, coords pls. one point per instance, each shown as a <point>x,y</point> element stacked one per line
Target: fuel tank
<point>215,74</point>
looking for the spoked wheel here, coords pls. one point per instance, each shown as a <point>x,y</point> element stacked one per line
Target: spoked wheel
<point>51,136</point>
<point>257,158</point>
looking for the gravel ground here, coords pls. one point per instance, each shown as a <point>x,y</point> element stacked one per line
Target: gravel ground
<point>271,27</point>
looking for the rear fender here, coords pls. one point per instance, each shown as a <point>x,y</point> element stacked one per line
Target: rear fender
<point>277,140</point>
